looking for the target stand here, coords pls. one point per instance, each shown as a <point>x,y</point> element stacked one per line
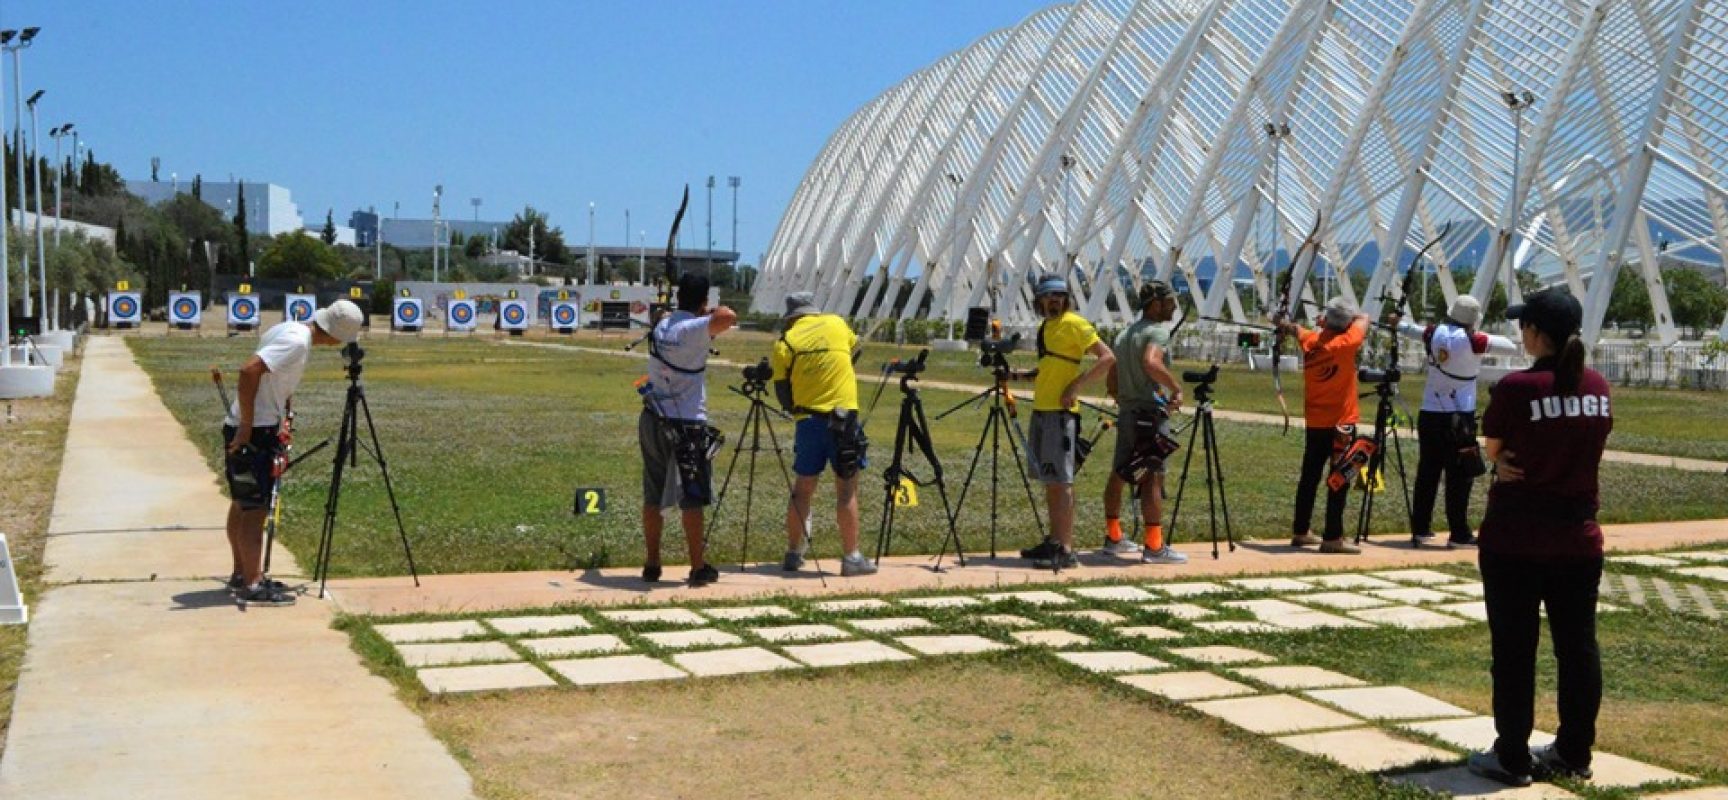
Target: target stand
<point>185,311</point>
<point>459,316</point>
<point>564,317</point>
<point>299,307</point>
<point>513,316</point>
<point>407,315</point>
<point>242,310</point>
<point>125,309</point>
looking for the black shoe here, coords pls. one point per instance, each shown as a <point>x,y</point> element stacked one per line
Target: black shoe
<point>1546,764</point>
<point>1419,539</point>
<point>262,595</point>
<point>704,575</point>
<point>1487,764</point>
<point>1063,559</point>
<point>1467,540</point>
<point>236,582</point>
<point>651,573</point>
<point>1044,551</point>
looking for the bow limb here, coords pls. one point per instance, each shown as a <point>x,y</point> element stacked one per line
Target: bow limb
<point>671,274</point>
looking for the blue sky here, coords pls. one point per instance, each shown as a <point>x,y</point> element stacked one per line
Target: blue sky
<point>557,104</point>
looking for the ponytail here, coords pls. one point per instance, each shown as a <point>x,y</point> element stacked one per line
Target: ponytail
<point>1570,368</point>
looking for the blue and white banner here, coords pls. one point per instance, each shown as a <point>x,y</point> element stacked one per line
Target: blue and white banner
<point>513,315</point>
<point>299,307</point>
<point>125,308</point>
<point>460,315</point>
<point>242,310</point>
<point>185,309</point>
<point>408,314</point>
<point>564,316</point>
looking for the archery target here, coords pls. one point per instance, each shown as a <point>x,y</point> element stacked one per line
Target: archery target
<point>124,308</point>
<point>564,315</point>
<point>408,314</point>
<point>300,307</point>
<point>243,310</point>
<point>460,316</point>
<point>184,309</point>
<point>513,315</point>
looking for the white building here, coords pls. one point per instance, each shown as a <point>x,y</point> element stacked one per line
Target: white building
<point>270,209</point>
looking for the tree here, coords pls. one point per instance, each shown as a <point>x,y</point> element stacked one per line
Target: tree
<point>1630,302</point>
<point>243,241</point>
<point>329,234</point>
<point>548,241</point>
<point>1695,301</point>
<point>198,186</point>
<point>299,257</point>
<point>476,246</point>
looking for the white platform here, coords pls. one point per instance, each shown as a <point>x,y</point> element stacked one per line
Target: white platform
<point>60,339</point>
<point>38,355</point>
<point>21,381</point>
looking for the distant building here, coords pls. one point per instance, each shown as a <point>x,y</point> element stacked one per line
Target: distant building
<point>416,234</point>
<point>270,209</point>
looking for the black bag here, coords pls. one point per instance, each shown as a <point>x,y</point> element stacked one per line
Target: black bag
<point>1468,453</point>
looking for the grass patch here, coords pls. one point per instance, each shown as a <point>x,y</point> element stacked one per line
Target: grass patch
<point>30,452</point>
<point>487,442</point>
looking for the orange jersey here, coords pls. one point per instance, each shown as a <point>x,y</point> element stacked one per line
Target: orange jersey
<point>1329,374</point>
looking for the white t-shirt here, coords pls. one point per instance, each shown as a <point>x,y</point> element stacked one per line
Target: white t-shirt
<point>681,338</point>
<point>1454,362</point>
<point>284,349</point>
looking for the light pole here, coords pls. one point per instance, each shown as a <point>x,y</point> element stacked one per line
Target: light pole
<point>475,202</point>
<point>1277,132</point>
<point>641,257</point>
<point>1516,101</point>
<point>378,247</point>
<point>41,245</point>
<point>59,174</point>
<point>24,38</point>
<point>592,270</point>
<point>437,200</point>
<point>708,257</point>
<point>733,182</point>
<point>5,269</point>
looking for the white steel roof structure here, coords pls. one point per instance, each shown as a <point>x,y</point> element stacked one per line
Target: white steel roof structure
<point>1111,140</point>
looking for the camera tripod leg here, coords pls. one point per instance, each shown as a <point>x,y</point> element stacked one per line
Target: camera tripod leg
<point>1182,483</point>
<point>377,453</point>
<point>1218,463</point>
<point>1023,467</point>
<point>725,484</point>
<point>966,485</point>
<point>921,437</point>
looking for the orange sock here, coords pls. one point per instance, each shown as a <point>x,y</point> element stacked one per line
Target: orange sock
<point>1154,537</point>
<point>1113,529</point>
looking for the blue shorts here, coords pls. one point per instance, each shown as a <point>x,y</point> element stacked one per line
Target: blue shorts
<point>814,447</point>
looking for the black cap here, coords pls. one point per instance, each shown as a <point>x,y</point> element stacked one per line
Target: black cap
<point>1552,311</point>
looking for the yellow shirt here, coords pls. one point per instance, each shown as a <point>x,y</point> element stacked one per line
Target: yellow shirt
<point>1066,340</point>
<point>816,353</point>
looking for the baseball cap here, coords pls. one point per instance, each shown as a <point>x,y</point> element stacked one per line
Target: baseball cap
<point>799,304</point>
<point>1155,290</point>
<point>1553,311</point>
<point>341,319</point>
<point>1049,283</point>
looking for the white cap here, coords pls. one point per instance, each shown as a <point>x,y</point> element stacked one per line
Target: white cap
<point>341,319</point>
<point>1465,309</point>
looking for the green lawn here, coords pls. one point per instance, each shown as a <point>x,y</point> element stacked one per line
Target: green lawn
<point>487,441</point>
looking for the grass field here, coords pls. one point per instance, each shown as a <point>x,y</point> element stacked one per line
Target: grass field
<point>487,441</point>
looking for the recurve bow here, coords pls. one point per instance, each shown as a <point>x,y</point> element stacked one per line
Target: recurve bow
<point>1282,313</point>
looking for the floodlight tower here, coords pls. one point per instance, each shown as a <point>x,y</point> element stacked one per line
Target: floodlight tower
<point>41,246</point>
<point>1277,132</point>
<point>437,200</point>
<point>1516,101</point>
<point>708,257</point>
<point>24,39</point>
<point>59,174</point>
<point>733,182</point>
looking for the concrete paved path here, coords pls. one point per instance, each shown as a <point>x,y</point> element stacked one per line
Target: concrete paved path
<point>144,679</point>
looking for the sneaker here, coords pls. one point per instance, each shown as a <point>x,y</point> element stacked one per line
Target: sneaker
<point>1339,546</point>
<point>1487,764</point>
<point>1163,555</point>
<point>236,582</point>
<point>793,561</point>
<point>1547,764</point>
<point>262,595</point>
<point>1467,540</point>
<point>1419,539</point>
<point>855,565</point>
<point>1304,540</point>
<point>1043,551</point>
<point>704,575</point>
<point>651,573</point>
<point>1063,558</point>
<point>1121,547</point>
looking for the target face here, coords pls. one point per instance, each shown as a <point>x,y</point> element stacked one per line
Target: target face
<point>408,313</point>
<point>185,310</point>
<point>299,311</point>
<point>125,307</point>
<point>515,314</point>
<point>461,313</point>
<point>564,315</point>
<point>244,309</point>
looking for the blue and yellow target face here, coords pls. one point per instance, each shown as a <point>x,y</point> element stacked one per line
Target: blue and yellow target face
<point>299,311</point>
<point>125,307</point>
<point>564,315</point>
<point>515,314</point>
<point>244,309</point>
<point>408,313</point>
<point>185,310</point>
<point>461,313</point>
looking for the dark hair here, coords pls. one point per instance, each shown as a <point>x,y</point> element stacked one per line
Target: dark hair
<point>1570,369</point>
<point>692,292</point>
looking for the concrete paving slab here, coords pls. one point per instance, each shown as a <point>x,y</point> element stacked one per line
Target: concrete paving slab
<point>1344,601</point>
<point>958,644</point>
<point>1707,573</point>
<point>1223,654</point>
<point>1271,585</point>
<point>1620,772</point>
<point>1419,577</point>
<point>1286,677</point>
<point>843,654</point>
<point>1408,617</point>
<point>731,661</point>
<point>1350,580</point>
<point>1414,595</point>
<point>1187,611</point>
<point>1113,661</point>
<point>615,669</point>
<point>1191,588</point>
<point>849,606</point>
<point>743,613</point>
<point>1388,702</point>
<point>1469,733</point>
<point>430,631</point>
<point>1472,589</point>
<point>1700,793</point>
<point>531,626</point>
<point>1474,610</point>
<point>1236,626</point>
<point>1006,620</point>
<point>440,655</point>
<point>1152,632</point>
<point>1316,620</point>
<point>700,637</point>
<point>655,616</point>
<point>1099,616</point>
<point>1126,594</point>
<point>1647,561</point>
<point>1364,749</point>
<point>555,646</point>
<point>799,633</point>
<point>1459,782</point>
<point>1268,609</point>
<point>1185,686</point>
<point>1703,555</point>
<point>1274,714</point>
<point>951,601</point>
<point>891,624</point>
<point>1029,598</point>
<point>483,678</point>
<point>1050,637</point>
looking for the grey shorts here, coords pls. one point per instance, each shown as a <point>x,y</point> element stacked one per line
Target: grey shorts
<point>661,485</point>
<point>1127,438</point>
<point>1052,438</point>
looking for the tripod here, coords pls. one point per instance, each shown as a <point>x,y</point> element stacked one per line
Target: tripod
<point>1386,389</point>
<point>755,421</point>
<point>1001,416</point>
<point>1203,427</point>
<point>348,447</point>
<point>912,425</point>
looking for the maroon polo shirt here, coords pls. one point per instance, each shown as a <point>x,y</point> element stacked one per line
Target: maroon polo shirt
<point>1558,441</point>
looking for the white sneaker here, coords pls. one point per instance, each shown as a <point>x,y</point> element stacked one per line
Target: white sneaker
<point>1121,547</point>
<point>1163,555</point>
<point>853,566</point>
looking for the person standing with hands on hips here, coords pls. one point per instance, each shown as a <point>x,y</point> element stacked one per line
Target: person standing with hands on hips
<point>1541,546</point>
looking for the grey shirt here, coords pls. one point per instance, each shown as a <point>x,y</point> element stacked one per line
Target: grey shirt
<point>682,339</point>
<point>1134,387</point>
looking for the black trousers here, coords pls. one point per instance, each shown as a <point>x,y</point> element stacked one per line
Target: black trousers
<point>1439,457</point>
<point>1316,463</point>
<point>1515,589</point>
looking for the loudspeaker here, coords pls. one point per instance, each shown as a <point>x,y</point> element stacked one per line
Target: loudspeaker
<point>977,324</point>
